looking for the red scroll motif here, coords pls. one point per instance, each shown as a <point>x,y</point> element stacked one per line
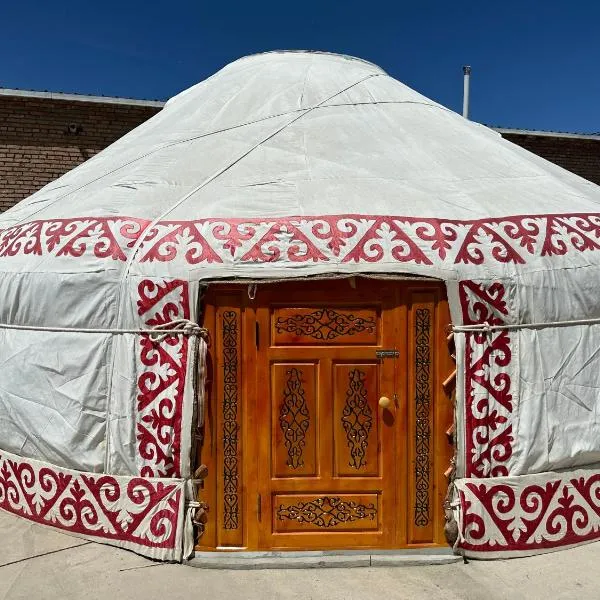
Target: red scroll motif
<point>528,514</point>
<point>130,512</point>
<point>162,380</point>
<point>488,399</point>
<point>100,237</point>
<point>312,239</point>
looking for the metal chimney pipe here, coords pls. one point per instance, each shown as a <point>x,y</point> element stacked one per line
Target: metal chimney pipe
<point>467,81</point>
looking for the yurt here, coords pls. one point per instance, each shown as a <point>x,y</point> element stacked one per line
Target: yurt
<point>304,307</point>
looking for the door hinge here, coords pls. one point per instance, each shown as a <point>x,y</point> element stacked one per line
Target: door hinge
<point>259,507</point>
<point>257,333</point>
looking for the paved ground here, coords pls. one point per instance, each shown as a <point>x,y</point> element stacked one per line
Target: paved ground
<point>38,563</point>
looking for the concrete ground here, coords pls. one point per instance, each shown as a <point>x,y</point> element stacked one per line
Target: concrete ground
<point>39,563</point>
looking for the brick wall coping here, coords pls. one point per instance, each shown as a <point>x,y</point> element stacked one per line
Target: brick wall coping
<point>554,134</point>
<point>79,97</point>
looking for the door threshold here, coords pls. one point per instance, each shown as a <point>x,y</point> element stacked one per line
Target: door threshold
<point>278,559</point>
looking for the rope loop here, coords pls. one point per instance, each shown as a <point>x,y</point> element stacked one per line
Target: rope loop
<point>185,326</point>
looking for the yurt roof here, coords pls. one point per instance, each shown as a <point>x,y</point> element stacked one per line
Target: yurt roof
<point>305,135</point>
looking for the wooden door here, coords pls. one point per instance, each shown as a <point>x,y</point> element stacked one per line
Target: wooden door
<point>327,461</point>
<point>300,453</point>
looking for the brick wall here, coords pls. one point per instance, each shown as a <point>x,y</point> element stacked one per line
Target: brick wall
<point>580,156</point>
<point>36,147</point>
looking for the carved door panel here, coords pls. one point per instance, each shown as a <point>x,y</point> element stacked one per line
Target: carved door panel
<point>327,465</point>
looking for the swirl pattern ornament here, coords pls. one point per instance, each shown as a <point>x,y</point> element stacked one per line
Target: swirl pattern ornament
<point>131,512</point>
<point>294,418</point>
<point>324,324</point>
<point>528,514</point>
<point>488,398</point>
<point>422,410</point>
<point>327,512</point>
<point>317,239</point>
<point>231,426</point>
<point>161,383</point>
<point>357,418</point>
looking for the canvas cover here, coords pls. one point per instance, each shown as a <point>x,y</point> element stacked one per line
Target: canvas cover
<point>281,165</point>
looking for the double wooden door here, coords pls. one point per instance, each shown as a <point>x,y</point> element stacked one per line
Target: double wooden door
<point>325,423</point>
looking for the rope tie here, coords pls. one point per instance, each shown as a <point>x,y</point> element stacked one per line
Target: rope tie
<point>184,326</point>
<point>487,328</point>
<point>157,334</point>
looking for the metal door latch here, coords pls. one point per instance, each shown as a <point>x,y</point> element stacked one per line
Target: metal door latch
<point>387,353</point>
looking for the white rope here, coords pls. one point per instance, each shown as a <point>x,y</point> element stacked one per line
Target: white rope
<point>157,334</point>
<point>486,327</point>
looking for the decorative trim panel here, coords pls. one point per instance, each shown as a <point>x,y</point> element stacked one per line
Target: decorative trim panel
<point>231,428</point>
<point>161,383</point>
<point>144,515</point>
<point>294,418</point>
<point>338,238</point>
<point>327,512</point>
<point>528,514</point>
<point>325,325</point>
<point>357,418</point>
<point>488,398</point>
<point>422,416</point>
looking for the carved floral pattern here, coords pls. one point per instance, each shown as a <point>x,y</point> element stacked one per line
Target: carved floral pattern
<point>422,413</point>
<point>488,398</point>
<point>327,512</point>
<point>357,418</point>
<point>161,382</point>
<point>135,512</point>
<point>339,238</point>
<point>231,426</point>
<point>294,418</point>
<point>324,324</point>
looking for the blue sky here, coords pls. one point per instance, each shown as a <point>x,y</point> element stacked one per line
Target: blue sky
<point>536,64</point>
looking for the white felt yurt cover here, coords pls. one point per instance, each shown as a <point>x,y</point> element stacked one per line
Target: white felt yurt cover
<point>290,164</point>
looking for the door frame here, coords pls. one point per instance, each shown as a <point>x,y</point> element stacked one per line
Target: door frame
<point>236,299</point>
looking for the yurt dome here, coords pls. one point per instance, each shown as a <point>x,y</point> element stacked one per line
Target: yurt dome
<point>238,326</point>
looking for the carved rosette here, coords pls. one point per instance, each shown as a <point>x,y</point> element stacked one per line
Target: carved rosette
<point>326,512</point>
<point>422,410</point>
<point>230,421</point>
<point>324,324</point>
<point>357,418</point>
<point>294,418</point>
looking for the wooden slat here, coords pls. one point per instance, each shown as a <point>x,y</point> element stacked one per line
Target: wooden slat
<point>443,416</point>
<point>206,451</point>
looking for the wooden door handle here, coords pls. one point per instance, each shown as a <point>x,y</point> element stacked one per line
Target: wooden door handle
<point>385,402</point>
